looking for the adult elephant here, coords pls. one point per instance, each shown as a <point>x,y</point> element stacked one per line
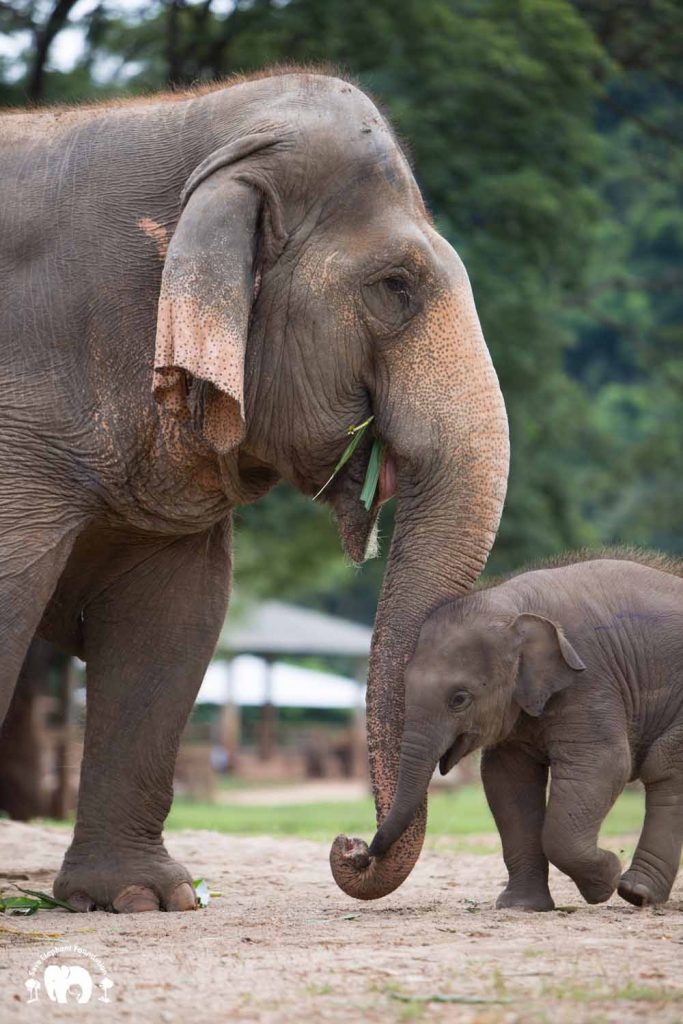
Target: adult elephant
<point>271,237</point>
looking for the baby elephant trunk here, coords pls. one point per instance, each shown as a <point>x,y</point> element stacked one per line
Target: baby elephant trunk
<point>420,752</point>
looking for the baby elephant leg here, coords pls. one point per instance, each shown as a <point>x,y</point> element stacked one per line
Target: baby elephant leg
<point>515,786</point>
<point>655,863</point>
<point>581,794</point>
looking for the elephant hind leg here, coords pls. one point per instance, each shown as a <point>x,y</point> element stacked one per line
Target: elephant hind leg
<point>21,795</point>
<point>31,562</point>
<point>655,863</point>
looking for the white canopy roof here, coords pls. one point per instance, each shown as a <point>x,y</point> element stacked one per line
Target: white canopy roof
<point>245,681</point>
<point>273,627</point>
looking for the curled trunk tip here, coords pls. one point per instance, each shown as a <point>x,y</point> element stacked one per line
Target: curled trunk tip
<point>353,853</point>
<point>356,872</point>
<point>364,877</point>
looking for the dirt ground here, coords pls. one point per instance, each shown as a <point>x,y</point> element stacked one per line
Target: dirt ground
<point>282,944</point>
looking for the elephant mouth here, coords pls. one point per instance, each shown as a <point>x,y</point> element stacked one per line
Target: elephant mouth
<point>387,478</point>
<point>464,745</point>
<point>356,523</point>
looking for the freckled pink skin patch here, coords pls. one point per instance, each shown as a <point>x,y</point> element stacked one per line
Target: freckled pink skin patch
<point>190,339</point>
<point>158,234</point>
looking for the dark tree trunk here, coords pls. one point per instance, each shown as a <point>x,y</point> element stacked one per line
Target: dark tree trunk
<point>174,56</point>
<point>44,36</point>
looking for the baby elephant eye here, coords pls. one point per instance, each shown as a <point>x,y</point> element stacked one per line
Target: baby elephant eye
<point>459,699</point>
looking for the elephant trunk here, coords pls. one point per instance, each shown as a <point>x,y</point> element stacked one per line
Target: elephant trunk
<point>410,593</point>
<point>448,434</point>
<point>419,755</point>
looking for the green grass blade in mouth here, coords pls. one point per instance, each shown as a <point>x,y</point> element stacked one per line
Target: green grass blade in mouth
<point>357,433</point>
<point>367,495</point>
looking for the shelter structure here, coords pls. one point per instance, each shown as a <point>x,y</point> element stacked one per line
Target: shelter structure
<point>272,630</point>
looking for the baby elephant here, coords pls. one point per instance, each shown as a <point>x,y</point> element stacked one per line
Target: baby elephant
<point>576,670</point>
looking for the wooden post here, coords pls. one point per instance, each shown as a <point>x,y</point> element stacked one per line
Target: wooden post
<point>268,724</point>
<point>359,737</point>
<point>64,800</point>
<point>231,725</point>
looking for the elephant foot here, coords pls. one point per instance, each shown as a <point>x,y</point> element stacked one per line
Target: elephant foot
<point>126,881</point>
<point>601,884</point>
<point>637,888</point>
<point>531,899</point>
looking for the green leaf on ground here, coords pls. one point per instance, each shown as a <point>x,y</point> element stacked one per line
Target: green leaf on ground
<point>202,892</point>
<point>19,905</point>
<point>30,902</point>
<point>47,902</point>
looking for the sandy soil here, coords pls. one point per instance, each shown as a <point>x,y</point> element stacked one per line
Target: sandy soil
<point>284,945</point>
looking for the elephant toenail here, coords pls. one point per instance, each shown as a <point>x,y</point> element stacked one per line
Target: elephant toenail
<point>182,898</point>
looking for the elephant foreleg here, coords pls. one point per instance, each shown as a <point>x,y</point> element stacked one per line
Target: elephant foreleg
<point>581,794</point>
<point>148,639</point>
<point>515,787</point>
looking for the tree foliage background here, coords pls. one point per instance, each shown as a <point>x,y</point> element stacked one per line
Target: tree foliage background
<point>546,136</point>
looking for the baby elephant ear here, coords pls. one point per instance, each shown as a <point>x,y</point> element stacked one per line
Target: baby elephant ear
<point>207,290</point>
<point>547,662</point>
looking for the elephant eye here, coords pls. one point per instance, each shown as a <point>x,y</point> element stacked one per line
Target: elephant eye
<point>390,300</point>
<point>398,287</point>
<point>459,699</point>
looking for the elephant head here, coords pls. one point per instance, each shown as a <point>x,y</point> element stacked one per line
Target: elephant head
<point>465,687</point>
<point>59,979</point>
<point>307,287</point>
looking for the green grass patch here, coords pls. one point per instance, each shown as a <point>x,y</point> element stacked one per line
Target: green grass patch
<point>630,993</point>
<point>462,813</point>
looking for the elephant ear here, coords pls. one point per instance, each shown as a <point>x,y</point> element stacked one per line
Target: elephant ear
<point>207,292</point>
<point>547,662</point>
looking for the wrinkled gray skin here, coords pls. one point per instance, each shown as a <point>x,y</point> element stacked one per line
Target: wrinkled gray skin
<point>275,232</point>
<point>576,671</point>
<point>22,792</point>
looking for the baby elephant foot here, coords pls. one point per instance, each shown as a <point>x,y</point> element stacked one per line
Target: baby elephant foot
<point>599,885</point>
<point>123,881</point>
<point>536,898</point>
<point>642,890</point>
